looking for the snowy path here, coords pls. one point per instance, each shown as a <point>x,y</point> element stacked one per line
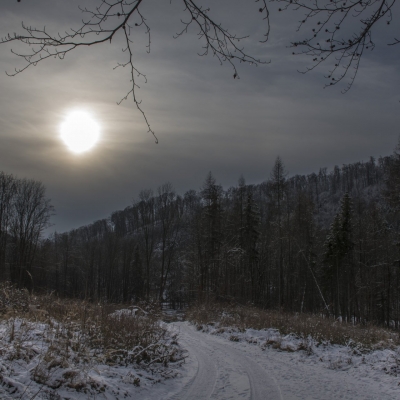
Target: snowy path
<point>223,372</point>
<point>219,369</point>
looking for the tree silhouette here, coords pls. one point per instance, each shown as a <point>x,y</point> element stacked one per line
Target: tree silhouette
<point>341,31</point>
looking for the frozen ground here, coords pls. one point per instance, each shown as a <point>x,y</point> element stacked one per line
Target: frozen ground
<point>227,364</point>
<point>50,360</point>
<point>233,365</point>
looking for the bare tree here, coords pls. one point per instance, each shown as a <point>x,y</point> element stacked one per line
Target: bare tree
<point>8,187</point>
<point>31,216</point>
<point>169,219</point>
<point>145,223</point>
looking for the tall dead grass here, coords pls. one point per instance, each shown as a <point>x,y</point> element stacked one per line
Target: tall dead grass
<point>67,338</point>
<point>113,335</point>
<point>12,299</point>
<point>320,328</point>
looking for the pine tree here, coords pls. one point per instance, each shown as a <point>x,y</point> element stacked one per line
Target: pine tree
<point>211,195</point>
<point>277,193</point>
<point>250,236</point>
<point>392,180</point>
<point>338,249</point>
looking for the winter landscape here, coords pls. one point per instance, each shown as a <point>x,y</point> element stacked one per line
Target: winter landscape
<point>194,297</point>
<point>199,200</point>
<point>75,350</point>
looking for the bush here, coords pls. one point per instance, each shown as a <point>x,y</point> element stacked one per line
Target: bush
<point>66,339</point>
<point>13,299</point>
<point>319,327</point>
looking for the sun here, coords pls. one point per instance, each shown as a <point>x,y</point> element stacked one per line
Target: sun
<point>79,131</point>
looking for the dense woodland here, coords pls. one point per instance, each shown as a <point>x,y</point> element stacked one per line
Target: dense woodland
<point>326,242</point>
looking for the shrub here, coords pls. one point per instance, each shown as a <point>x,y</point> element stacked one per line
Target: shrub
<point>319,327</point>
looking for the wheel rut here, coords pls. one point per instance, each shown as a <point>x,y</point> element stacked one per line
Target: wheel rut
<point>223,372</point>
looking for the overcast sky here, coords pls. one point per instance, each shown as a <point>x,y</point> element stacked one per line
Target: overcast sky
<point>205,120</point>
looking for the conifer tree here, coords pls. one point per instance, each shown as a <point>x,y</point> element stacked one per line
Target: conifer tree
<point>250,235</point>
<point>211,195</point>
<point>277,193</point>
<point>338,248</point>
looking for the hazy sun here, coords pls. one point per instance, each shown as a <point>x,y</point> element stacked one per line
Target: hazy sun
<point>80,131</point>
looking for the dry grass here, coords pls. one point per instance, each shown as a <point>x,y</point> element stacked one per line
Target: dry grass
<point>320,328</point>
<point>12,300</point>
<point>121,336</point>
<point>67,338</point>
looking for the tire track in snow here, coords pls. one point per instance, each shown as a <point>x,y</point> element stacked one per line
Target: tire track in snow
<point>201,385</point>
<point>263,386</point>
<point>218,369</point>
<point>223,372</point>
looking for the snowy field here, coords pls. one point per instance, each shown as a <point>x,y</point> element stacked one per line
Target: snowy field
<point>208,363</point>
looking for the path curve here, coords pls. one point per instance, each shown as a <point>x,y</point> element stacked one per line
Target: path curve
<point>223,372</point>
<point>219,369</point>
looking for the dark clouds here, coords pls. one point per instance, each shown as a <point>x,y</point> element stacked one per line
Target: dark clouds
<point>205,119</point>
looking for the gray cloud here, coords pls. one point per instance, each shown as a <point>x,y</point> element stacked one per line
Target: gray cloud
<point>205,119</point>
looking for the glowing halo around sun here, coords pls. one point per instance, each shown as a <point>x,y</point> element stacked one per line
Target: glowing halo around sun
<point>79,131</point>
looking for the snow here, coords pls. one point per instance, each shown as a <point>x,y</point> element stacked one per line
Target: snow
<point>128,312</point>
<point>220,363</point>
<point>33,366</point>
<point>304,369</point>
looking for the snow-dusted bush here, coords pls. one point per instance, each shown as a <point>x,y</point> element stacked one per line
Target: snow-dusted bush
<point>65,348</point>
<point>12,299</point>
<point>320,328</point>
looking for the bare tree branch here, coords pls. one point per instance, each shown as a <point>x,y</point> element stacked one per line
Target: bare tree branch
<point>113,16</point>
<point>341,32</point>
<point>217,40</point>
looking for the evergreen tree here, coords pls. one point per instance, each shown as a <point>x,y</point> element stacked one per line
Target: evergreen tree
<point>277,193</point>
<point>338,260</point>
<point>250,236</point>
<point>211,195</point>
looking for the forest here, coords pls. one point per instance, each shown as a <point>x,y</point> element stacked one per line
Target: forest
<point>325,243</point>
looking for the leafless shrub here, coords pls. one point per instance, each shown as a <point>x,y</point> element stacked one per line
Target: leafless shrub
<point>306,346</point>
<point>67,338</point>
<point>12,299</point>
<point>320,328</point>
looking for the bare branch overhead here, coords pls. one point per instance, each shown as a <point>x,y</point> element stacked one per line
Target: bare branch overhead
<point>339,33</point>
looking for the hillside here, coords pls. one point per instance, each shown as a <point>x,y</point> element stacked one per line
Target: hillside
<point>325,242</point>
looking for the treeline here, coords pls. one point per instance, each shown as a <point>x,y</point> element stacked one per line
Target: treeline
<point>24,214</point>
<point>326,242</point>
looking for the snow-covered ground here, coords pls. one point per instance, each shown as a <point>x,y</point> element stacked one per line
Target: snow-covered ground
<point>220,364</point>
<point>252,365</point>
<point>41,360</point>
